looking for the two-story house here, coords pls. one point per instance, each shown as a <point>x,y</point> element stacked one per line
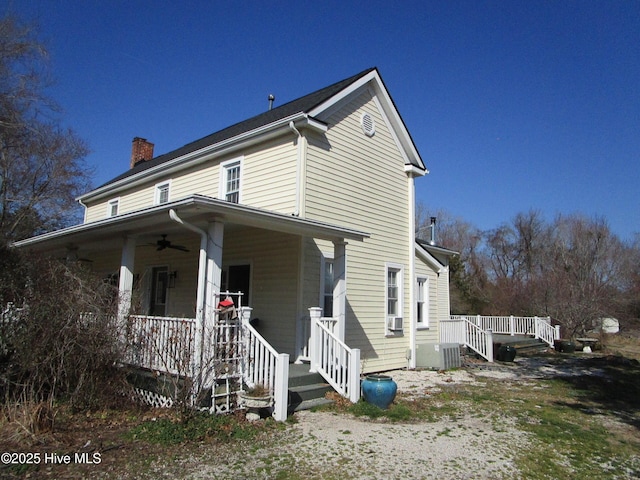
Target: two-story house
<point>309,204</point>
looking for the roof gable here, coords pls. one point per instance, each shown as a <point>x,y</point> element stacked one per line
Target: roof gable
<point>312,105</point>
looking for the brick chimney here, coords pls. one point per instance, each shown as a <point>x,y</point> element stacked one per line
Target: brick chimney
<point>141,151</point>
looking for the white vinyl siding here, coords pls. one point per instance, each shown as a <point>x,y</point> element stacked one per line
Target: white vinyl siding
<point>202,179</point>
<point>270,176</point>
<point>359,182</point>
<point>274,276</point>
<point>268,180</point>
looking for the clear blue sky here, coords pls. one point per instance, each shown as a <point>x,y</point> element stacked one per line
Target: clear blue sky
<point>513,105</point>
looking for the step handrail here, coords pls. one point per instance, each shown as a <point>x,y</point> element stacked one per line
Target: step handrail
<point>479,340</point>
<point>265,366</point>
<point>338,364</point>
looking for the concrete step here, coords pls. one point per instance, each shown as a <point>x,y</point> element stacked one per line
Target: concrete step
<point>310,404</point>
<point>304,378</point>
<point>306,390</point>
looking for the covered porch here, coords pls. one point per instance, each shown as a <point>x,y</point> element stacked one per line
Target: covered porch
<point>172,261</point>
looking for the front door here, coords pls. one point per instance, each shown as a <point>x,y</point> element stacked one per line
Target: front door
<point>158,297</point>
<point>237,278</point>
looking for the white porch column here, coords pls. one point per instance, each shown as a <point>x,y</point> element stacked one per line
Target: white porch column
<point>125,284</point>
<point>211,250</point>
<point>340,287</point>
<point>215,237</point>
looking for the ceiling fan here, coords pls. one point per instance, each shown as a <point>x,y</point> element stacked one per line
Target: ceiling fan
<point>164,243</point>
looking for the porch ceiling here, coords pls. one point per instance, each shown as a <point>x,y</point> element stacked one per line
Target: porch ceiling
<point>196,209</point>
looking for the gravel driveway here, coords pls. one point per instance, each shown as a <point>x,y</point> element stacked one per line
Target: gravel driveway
<point>329,445</point>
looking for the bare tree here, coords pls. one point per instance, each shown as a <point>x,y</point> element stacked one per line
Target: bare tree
<point>517,261</point>
<point>587,280</point>
<point>467,270</point>
<point>42,166</point>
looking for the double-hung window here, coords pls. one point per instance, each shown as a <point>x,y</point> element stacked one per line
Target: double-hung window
<point>162,193</point>
<point>422,302</point>
<point>394,299</point>
<point>112,207</point>
<point>230,180</point>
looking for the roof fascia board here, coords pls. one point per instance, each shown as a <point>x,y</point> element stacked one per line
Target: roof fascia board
<point>337,98</point>
<point>312,124</point>
<point>235,213</point>
<point>415,171</point>
<point>230,145</point>
<point>399,127</point>
<point>410,167</point>
<point>387,106</point>
<point>430,259</point>
<point>104,222</point>
<point>264,218</point>
<point>441,250</point>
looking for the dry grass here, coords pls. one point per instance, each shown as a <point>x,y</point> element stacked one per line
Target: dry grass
<point>621,344</point>
<point>591,423</point>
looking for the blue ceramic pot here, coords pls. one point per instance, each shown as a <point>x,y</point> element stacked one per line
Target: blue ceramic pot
<point>379,390</point>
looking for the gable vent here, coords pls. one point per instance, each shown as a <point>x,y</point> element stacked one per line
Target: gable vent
<point>368,124</point>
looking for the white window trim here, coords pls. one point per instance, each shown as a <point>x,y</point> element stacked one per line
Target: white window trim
<point>324,258</point>
<point>423,323</point>
<point>222,185</point>
<point>156,192</point>
<point>400,280</point>
<point>110,204</point>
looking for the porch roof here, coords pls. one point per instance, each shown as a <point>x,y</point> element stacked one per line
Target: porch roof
<point>196,209</point>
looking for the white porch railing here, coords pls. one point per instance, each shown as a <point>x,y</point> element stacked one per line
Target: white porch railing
<point>265,366</point>
<point>332,358</point>
<point>304,332</point>
<point>163,344</point>
<point>476,331</point>
<point>167,345</point>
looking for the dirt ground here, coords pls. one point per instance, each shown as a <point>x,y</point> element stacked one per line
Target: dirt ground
<point>315,443</point>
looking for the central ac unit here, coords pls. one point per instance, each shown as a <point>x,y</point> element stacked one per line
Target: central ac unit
<point>439,356</point>
<point>394,324</point>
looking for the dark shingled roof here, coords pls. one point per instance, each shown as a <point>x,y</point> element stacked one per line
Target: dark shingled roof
<point>300,105</point>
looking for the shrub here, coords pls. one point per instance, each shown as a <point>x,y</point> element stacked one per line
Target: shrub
<point>59,338</point>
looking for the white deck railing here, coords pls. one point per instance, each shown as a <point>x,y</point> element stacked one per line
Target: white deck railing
<point>163,344</point>
<point>476,331</point>
<point>265,366</point>
<point>332,358</point>
<point>511,325</point>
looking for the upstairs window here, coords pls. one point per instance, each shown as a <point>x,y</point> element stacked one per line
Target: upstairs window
<point>162,193</point>
<point>230,180</point>
<point>112,207</point>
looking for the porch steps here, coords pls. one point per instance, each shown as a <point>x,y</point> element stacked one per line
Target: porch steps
<point>306,390</point>
<point>524,345</point>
